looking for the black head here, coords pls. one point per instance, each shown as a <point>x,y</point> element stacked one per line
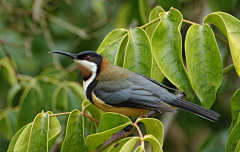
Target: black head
<point>86,55</point>
<point>86,61</point>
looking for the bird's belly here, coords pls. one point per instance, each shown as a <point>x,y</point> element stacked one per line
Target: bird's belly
<point>127,111</point>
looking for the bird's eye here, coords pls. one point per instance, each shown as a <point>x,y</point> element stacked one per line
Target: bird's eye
<point>88,57</point>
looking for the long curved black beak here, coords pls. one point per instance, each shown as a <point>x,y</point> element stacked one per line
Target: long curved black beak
<point>73,56</point>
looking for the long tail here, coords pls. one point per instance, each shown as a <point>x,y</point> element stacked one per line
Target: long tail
<point>196,109</point>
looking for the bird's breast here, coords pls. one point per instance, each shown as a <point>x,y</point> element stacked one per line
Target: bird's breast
<point>127,111</point>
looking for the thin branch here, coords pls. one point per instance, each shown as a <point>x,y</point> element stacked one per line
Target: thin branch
<point>123,133</point>
<point>189,22</point>
<point>59,114</point>
<point>149,23</point>
<point>119,135</point>
<point>89,117</point>
<point>221,39</point>
<point>228,69</point>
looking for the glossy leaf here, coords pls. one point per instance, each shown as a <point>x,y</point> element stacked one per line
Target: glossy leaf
<point>235,107</point>
<point>204,63</point>
<point>155,145</point>
<point>153,15</point>
<point>237,149</point>
<point>30,106</point>
<point>130,144</point>
<point>111,44</point>
<point>38,140</point>
<point>156,72</point>
<point>233,138</point>
<point>138,56</point>
<point>167,49</point>
<point>153,127</point>
<point>115,119</point>
<point>118,146</point>
<point>22,141</point>
<point>74,139</point>
<point>54,130</point>
<point>106,129</point>
<point>15,138</point>
<point>230,27</point>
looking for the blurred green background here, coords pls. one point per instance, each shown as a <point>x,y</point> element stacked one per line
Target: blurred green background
<point>30,29</point>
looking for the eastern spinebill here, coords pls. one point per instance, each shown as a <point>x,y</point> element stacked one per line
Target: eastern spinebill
<point>114,89</point>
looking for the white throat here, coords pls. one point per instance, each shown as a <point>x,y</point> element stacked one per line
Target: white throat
<point>92,67</point>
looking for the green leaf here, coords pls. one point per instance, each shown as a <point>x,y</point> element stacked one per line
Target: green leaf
<point>155,145</point>
<point>153,15</point>
<point>74,140</point>
<point>230,27</point>
<point>139,149</point>
<point>54,130</point>
<point>48,89</point>
<point>156,72</point>
<point>115,119</point>
<point>110,46</point>
<point>78,89</point>
<point>130,144</point>
<point>8,71</point>
<point>15,138</point>
<point>38,140</point>
<point>30,106</point>
<point>6,129</point>
<point>110,123</point>
<point>235,107</point>
<point>12,93</point>
<point>167,49</point>
<point>204,63</point>
<point>233,138</point>
<point>153,127</point>
<point>118,146</point>
<point>95,112</point>
<point>22,141</point>
<point>237,149</point>
<point>138,56</point>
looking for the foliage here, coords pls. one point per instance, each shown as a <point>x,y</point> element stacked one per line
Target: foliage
<point>150,41</point>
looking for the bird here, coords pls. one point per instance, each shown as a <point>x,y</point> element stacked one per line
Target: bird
<point>115,89</point>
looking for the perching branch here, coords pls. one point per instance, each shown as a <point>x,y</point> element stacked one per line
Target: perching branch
<point>123,133</point>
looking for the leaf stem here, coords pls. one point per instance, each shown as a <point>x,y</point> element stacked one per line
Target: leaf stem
<point>217,36</point>
<point>67,113</point>
<point>59,114</point>
<point>149,23</point>
<point>228,69</point>
<point>189,22</point>
<point>140,134</point>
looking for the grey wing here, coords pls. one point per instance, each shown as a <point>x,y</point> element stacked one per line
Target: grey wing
<point>130,95</point>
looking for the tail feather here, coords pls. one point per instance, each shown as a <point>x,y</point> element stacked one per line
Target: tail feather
<point>196,109</point>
